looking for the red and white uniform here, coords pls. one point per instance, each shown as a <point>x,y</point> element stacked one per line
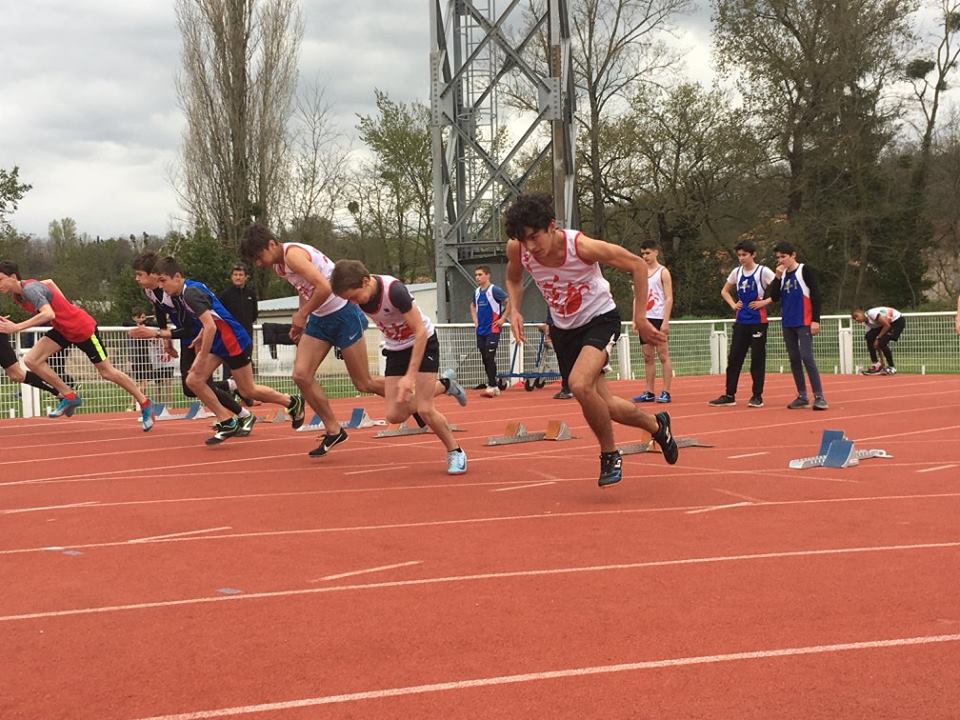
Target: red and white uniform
<point>873,314</point>
<point>397,334</point>
<point>304,288</point>
<point>656,297</point>
<point>74,323</point>
<point>576,292</point>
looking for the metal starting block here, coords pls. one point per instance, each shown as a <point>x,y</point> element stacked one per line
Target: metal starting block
<point>359,420</point>
<point>836,451</point>
<point>647,445</point>
<point>516,433</point>
<point>401,430</point>
<point>196,411</point>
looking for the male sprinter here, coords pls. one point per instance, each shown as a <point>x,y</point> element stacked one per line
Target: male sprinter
<point>411,348</point>
<point>221,340</point>
<point>565,265</point>
<point>13,370</point>
<point>883,326</point>
<point>168,309</point>
<point>71,326</point>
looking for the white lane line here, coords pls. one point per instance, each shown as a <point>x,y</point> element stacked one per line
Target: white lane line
<point>369,570</point>
<point>177,535</point>
<point>710,560</point>
<point>484,520</point>
<point>560,674</point>
<point>377,470</point>
<point>48,507</point>
<point>524,487</point>
<point>717,507</point>
<point>738,495</point>
<point>938,467</point>
<point>746,455</point>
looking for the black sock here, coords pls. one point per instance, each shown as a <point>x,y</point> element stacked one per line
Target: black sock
<point>33,379</point>
<point>293,402</point>
<point>446,383</point>
<point>418,420</point>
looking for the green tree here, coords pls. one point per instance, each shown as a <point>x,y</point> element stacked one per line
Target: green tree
<point>11,192</point>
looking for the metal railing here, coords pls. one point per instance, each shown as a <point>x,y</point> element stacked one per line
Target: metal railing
<point>929,344</point>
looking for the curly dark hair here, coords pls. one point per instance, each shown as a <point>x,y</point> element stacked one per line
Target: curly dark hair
<point>254,240</point>
<point>532,210</point>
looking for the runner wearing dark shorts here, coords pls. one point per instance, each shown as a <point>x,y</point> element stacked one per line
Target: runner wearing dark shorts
<point>13,370</point>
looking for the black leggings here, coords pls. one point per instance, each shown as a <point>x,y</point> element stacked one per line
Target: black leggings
<point>187,356</point>
<point>871,337</point>
<point>752,338</point>
<point>487,345</point>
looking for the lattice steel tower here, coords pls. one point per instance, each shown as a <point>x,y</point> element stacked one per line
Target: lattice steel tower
<point>476,169</point>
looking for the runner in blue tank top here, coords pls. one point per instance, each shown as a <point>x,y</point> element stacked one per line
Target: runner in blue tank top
<point>798,293</point>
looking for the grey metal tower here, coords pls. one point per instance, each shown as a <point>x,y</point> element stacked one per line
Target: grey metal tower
<point>476,171</point>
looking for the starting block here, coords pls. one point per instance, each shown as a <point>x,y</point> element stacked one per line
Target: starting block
<point>401,430</point>
<point>359,420</point>
<point>196,411</point>
<point>516,433</point>
<point>280,417</point>
<point>836,451</point>
<point>647,445</point>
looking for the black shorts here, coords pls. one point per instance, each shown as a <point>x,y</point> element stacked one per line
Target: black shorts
<point>399,360</point>
<point>91,347</point>
<point>235,362</point>
<point>8,356</point>
<point>657,323</point>
<point>601,332</point>
<point>896,329</point>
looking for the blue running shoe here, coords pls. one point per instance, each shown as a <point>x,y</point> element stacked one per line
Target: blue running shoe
<point>454,388</point>
<point>67,407</point>
<point>610,468</point>
<point>663,397</point>
<point>456,462</point>
<point>146,416</point>
<point>647,396</point>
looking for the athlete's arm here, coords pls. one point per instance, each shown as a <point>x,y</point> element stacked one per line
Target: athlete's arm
<point>728,297</point>
<point>207,335</point>
<point>39,296</point>
<point>504,300</point>
<point>885,327</point>
<point>958,315</point>
<point>515,288</point>
<point>667,281</point>
<point>409,379</point>
<point>473,312</point>
<point>810,277</point>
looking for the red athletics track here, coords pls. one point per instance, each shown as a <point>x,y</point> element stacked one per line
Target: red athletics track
<point>149,576</point>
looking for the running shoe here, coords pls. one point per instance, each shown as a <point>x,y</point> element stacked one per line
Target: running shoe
<point>454,388</point>
<point>67,406</point>
<point>456,462</point>
<point>647,396</point>
<point>611,468</point>
<point>873,370</point>
<point>663,397</point>
<point>563,395</point>
<point>328,442</point>
<point>820,404</point>
<point>225,429</point>
<point>890,370</point>
<point>723,401</point>
<point>664,438</point>
<point>492,391</point>
<point>296,411</point>
<point>246,424</point>
<point>755,402</point>
<point>146,416</point>
<point>798,403</point>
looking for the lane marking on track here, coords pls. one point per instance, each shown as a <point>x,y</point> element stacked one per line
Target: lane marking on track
<point>378,469</point>
<point>369,570</point>
<point>717,507</point>
<point>560,674</point>
<point>49,507</point>
<point>450,579</point>
<point>481,520</point>
<point>524,487</point>
<point>177,535</point>
<point>938,467</point>
<point>746,455</point>
<point>739,495</point>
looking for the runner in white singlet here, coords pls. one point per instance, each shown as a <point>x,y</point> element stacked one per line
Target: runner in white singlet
<point>659,308</point>
<point>565,265</point>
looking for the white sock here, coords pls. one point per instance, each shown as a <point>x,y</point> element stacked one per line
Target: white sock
<point>243,412</point>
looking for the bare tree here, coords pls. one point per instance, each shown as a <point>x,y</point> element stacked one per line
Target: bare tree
<point>236,89</point>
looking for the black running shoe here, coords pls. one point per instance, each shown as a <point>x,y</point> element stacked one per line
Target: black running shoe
<point>224,430</point>
<point>328,442</point>
<point>610,468</point>
<point>296,411</point>
<point>664,438</point>
<point>723,401</point>
<point>246,425</point>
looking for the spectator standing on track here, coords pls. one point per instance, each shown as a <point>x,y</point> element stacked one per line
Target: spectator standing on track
<point>71,325</point>
<point>240,300</point>
<point>750,282</point>
<point>883,326</point>
<point>565,265</point>
<point>489,311</point>
<point>659,308</point>
<point>798,292</point>
<point>411,348</point>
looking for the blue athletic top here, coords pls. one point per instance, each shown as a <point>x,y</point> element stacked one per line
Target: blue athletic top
<point>489,304</point>
<point>749,288</point>
<point>231,338</point>
<point>799,297</point>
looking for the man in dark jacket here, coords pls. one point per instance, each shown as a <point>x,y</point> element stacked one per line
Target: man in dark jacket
<point>241,301</point>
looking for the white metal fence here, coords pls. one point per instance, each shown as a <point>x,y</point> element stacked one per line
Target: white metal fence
<point>929,344</point>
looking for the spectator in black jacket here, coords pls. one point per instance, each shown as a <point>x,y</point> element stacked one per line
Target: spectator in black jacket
<point>241,301</point>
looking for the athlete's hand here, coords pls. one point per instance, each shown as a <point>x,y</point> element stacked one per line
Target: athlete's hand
<point>296,332</point>
<point>169,349</point>
<point>142,332</point>
<point>516,326</point>
<point>6,325</point>
<point>647,332</point>
<point>739,305</point>
<point>779,270</point>
<point>405,388</point>
<point>814,328</point>
<point>756,304</point>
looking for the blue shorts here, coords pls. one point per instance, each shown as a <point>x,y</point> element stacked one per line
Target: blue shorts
<point>341,328</point>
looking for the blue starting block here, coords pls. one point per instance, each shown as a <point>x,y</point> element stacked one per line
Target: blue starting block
<point>836,451</point>
<point>358,421</point>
